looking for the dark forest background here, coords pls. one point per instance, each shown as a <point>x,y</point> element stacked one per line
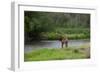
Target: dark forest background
<point>52,25</point>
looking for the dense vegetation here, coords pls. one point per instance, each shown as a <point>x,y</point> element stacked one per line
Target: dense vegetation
<point>51,25</point>
<point>81,52</point>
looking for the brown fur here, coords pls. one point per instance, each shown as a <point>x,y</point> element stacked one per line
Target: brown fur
<point>64,41</point>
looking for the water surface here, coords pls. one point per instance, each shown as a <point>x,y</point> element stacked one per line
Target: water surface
<point>53,44</point>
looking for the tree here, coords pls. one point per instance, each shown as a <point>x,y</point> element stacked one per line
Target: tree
<point>38,22</point>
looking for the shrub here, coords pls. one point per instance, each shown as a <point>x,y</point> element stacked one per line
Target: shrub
<point>70,33</point>
<point>76,50</point>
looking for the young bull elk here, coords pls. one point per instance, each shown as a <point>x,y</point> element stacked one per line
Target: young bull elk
<point>64,41</point>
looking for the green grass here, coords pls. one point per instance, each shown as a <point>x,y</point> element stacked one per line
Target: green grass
<point>44,54</point>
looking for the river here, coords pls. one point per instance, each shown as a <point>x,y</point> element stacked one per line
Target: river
<point>53,44</point>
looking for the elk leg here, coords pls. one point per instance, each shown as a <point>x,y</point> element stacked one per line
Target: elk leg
<point>66,43</point>
<point>62,44</point>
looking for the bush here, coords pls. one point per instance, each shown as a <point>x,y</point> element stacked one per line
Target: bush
<point>76,51</point>
<point>70,33</point>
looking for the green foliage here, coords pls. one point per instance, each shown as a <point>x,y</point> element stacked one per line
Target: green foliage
<point>53,24</point>
<point>75,33</point>
<point>73,30</point>
<point>76,51</point>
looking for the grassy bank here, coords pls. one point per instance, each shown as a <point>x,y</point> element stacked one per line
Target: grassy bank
<point>81,52</point>
<point>71,33</point>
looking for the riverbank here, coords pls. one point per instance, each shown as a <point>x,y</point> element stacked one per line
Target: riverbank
<point>44,54</point>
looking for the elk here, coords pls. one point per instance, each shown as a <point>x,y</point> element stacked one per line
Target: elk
<point>64,41</point>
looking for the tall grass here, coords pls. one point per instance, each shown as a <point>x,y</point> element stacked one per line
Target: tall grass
<point>71,33</point>
<point>58,54</point>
